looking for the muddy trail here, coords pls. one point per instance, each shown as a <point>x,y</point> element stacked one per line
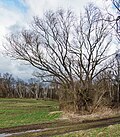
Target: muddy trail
<point>56,128</point>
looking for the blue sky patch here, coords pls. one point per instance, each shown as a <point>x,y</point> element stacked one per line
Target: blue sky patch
<point>14,4</point>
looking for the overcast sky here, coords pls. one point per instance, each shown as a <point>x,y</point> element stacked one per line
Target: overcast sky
<point>17,14</point>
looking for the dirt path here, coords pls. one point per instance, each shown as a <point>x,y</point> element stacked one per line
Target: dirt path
<point>58,127</point>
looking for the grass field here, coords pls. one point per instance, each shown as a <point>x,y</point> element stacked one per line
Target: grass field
<point>16,112</point>
<point>110,131</point>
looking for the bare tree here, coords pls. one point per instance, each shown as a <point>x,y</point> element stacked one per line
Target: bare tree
<point>92,39</point>
<point>114,18</point>
<point>71,49</point>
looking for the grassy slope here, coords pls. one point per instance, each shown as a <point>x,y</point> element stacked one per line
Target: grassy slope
<point>15,112</point>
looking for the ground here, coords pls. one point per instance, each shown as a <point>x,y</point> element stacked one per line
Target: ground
<point>33,118</point>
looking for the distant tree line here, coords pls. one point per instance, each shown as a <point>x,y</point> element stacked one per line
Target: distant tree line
<point>12,88</point>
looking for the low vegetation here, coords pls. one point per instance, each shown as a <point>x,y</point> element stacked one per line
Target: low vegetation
<point>110,131</point>
<point>16,112</point>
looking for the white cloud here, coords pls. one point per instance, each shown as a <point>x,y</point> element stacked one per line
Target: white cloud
<point>9,18</point>
<point>17,68</point>
<point>37,7</point>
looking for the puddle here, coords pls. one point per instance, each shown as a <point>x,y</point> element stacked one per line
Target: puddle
<point>29,131</point>
<point>4,135</point>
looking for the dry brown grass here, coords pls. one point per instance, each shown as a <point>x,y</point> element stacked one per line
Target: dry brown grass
<point>100,113</point>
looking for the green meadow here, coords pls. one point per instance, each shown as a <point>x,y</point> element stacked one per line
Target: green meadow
<point>16,112</point>
<point>110,131</point>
